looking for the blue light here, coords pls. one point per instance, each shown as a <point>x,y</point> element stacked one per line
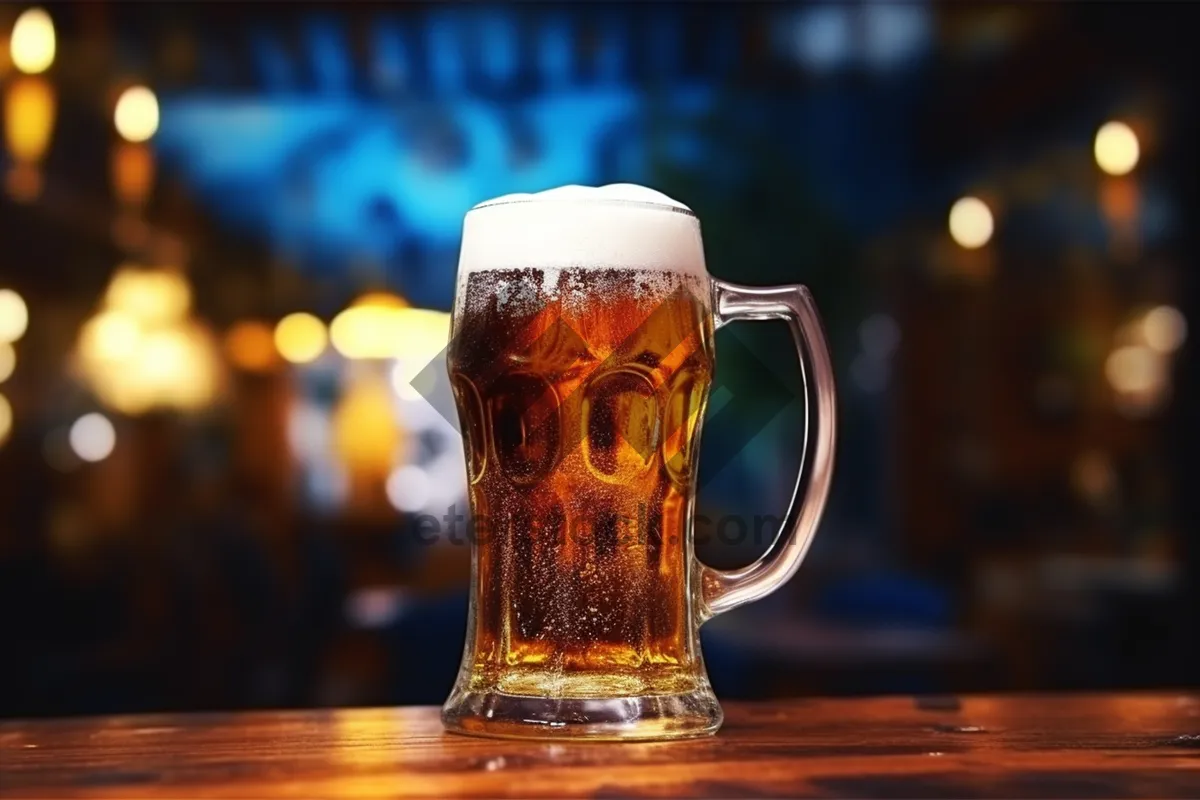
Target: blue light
<point>823,37</point>
<point>880,33</point>
<point>612,51</point>
<point>555,51</point>
<point>337,182</point>
<point>895,32</point>
<point>498,47</point>
<point>330,59</point>
<point>390,55</point>
<point>445,51</point>
<point>335,179</point>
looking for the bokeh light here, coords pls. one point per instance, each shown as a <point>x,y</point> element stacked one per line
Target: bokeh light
<point>250,345</point>
<point>421,335</point>
<point>93,437</point>
<point>30,108</point>
<point>174,366</point>
<point>152,296</point>
<point>1164,328</point>
<point>142,350</point>
<point>163,352</point>
<point>408,488</point>
<point>1116,148</point>
<point>403,373</point>
<point>6,417</point>
<point>177,367</point>
<point>110,336</point>
<point>366,436</point>
<point>971,223</point>
<point>14,316</point>
<point>372,328</point>
<point>1133,369</point>
<point>308,431</point>
<point>369,328</point>
<point>33,43</point>
<point>136,114</point>
<point>1120,200</point>
<point>132,173</point>
<point>300,337</point>
<point>8,361</point>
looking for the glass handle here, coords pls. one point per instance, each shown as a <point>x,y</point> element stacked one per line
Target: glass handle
<point>721,590</point>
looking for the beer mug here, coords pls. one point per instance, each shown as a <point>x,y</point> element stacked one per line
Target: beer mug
<point>581,357</point>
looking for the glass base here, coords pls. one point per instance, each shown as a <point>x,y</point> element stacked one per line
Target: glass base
<point>509,716</point>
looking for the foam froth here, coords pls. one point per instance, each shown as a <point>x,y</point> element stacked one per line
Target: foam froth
<point>619,226</point>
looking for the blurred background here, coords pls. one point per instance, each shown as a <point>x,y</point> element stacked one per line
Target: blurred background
<point>228,237</point>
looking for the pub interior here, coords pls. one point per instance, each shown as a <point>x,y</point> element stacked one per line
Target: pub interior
<point>228,241</point>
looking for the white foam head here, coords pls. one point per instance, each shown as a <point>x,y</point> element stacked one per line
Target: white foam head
<point>619,226</point>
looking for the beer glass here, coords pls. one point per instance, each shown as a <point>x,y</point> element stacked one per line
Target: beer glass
<point>581,357</point>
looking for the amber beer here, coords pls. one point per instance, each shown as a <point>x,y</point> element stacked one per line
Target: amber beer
<point>581,357</point>
<point>580,391</point>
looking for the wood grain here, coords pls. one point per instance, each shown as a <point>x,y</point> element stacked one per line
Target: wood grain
<point>1001,747</point>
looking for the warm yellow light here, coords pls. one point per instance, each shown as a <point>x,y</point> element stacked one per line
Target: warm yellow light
<point>362,332</point>
<point>32,45</point>
<point>8,361</point>
<point>168,367</point>
<point>163,353</point>
<point>420,335</point>
<point>109,337</point>
<point>376,328</point>
<point>14,316</point>
<point>92,437</point>
<point>250,345</point>
<point>151,296</point>
<point>126,393</point>
<point>177,367</point>
<point>366,437</point>
<point>971,223</point>
<point>5,418</point>
<point>29,111</point>
<point>136,114</point>
<point>423,333</point>
<point>1135,369</point>
<point>1116,148</point>
<point>367,328</point>
<point>204,372</point>
<point>143,351</point>
<point>1164,329</point>
<point>381,299</point>
<point>300,337</point>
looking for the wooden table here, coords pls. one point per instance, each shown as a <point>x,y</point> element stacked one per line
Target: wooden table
<point>1003,747</point>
